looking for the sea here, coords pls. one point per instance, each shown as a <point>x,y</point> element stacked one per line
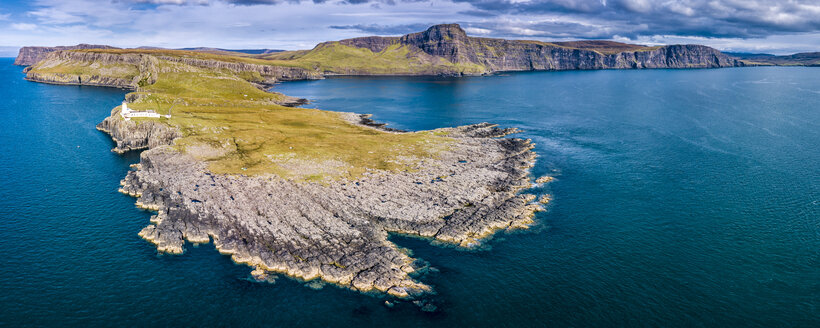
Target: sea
<point>682,198</point>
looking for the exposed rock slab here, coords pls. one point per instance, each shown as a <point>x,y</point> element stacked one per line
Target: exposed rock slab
<point>337,231</point>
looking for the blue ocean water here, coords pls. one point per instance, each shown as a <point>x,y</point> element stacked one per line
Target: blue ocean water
<point>683,198</point>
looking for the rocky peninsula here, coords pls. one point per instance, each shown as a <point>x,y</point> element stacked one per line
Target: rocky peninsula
<point>301,192</point>
<point>314,194</point>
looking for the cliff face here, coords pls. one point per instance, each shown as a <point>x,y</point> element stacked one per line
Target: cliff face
<point>31,55</point>
<point>96,69</point>
<point>71,79</point>
<point>132,136</point>
<point>450,42</point>
<point>274,73</point>
<point>440,50</point>
<point>130,70</point>
<point>374,43</point>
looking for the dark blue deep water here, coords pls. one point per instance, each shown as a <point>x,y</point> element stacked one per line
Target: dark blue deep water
<point>683,198</point>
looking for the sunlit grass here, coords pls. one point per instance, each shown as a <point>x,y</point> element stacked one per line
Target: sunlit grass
<point>239,129</point>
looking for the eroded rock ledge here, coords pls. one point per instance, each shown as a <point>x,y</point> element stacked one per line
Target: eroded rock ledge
<point>132,136</point>
<point>336,231</point>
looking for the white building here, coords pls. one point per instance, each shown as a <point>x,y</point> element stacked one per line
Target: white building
<point>127,114</point>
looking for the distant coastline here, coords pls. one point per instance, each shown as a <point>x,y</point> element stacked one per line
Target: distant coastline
<point>440,50</point>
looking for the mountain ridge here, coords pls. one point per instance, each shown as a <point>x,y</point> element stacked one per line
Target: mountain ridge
<point>468,55</point>
<point>446,49</point>
<point>798,59</point>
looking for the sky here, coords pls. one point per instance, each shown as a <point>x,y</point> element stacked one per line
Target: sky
<point>769,26</point>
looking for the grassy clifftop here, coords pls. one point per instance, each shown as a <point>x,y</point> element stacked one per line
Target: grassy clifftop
<point>396,59</point>
<point>238,128</point>
<point>227,120</point>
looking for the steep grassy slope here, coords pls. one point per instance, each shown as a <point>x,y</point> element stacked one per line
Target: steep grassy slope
<point>395,59</point>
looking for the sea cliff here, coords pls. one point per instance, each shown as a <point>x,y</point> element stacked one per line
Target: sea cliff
<point>451,42</point>
<point>447,50</point>
<point>31,55</point>
<point>444,49</point>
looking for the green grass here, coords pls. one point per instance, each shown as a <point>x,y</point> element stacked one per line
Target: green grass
<point>396,59</point>
<point>65,67</point>
<point>239,129</point>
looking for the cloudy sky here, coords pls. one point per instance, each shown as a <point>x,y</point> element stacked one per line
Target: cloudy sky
<point>773,26</point>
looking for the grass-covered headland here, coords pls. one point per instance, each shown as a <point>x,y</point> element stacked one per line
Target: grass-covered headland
<point>233,164</point>
<point>226,119</point>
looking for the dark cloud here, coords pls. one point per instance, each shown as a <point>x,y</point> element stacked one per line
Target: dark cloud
<point>349,2</point>
<point>255,2</point>
<point>375,29</point>
<point>709,18</point>
<point>600,18</point>
<point>479,13</point>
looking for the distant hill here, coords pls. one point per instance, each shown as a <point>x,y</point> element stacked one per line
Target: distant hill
<point>31,55</point>
<point>799,59</point>
<point>244,51</point>
<point>747,54</point>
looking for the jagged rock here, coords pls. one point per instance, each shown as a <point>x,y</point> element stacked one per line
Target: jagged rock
<point>275,73</point>
<point>132,136</point>
<point>544,179</point>
<point>337,232</point>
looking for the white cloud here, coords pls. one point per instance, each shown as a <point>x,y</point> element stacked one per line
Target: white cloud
<point>641,6</point>
<point>476,30</point>
<point>523,31</point>
<point>23,26</point>
<point>165,2</point>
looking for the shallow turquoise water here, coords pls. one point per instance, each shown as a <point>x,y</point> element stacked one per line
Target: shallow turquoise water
<point>683,198</point>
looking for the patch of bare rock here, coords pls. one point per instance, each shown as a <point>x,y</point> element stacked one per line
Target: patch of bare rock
<point>336,232</point>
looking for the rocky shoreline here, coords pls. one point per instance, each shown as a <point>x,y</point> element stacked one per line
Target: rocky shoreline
<point>336,232</point>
